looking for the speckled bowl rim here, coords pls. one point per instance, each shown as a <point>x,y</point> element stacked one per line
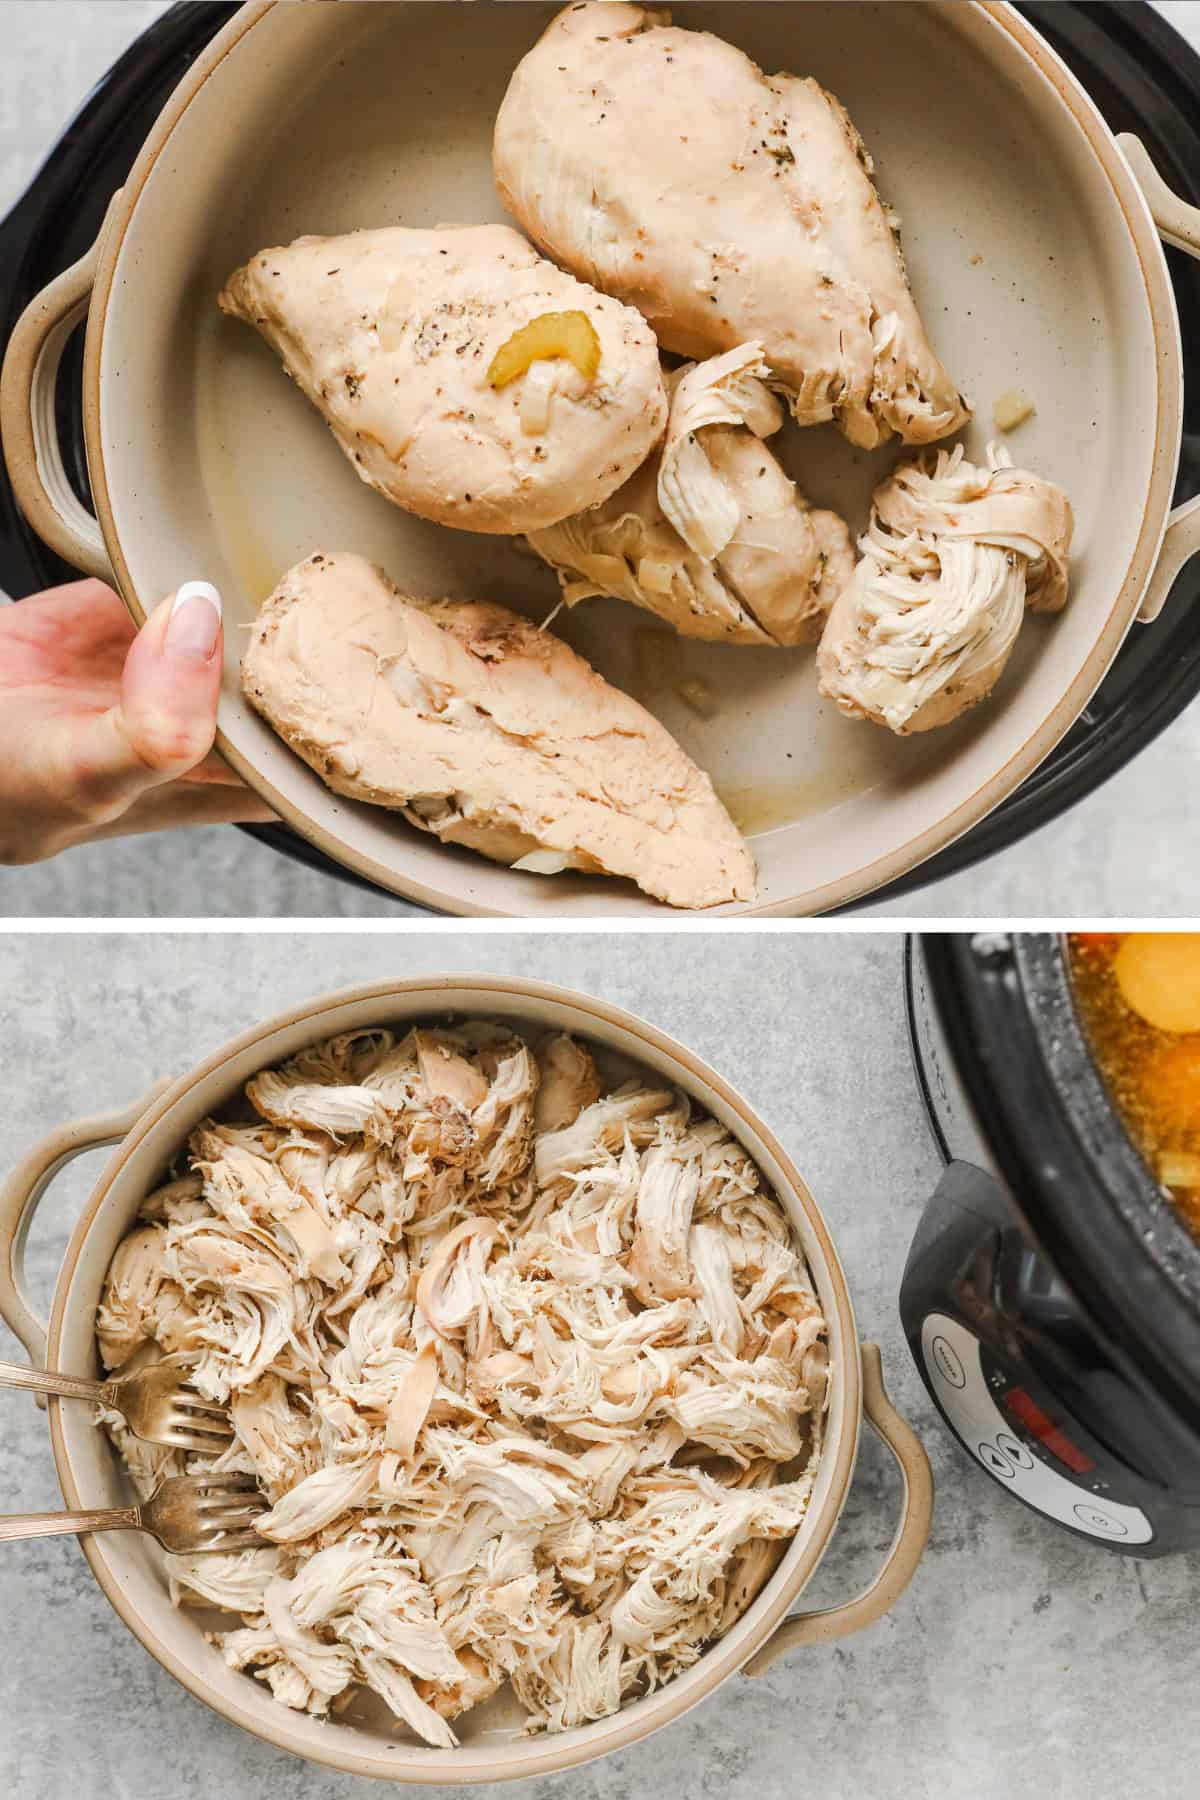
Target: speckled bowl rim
<point>432,994</point>
<point>1143,242</point>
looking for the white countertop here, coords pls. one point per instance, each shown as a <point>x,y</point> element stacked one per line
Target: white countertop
<point>1021,1661</point>
<point>1131,848</point>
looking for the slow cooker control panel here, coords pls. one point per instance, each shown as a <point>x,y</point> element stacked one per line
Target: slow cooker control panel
<point>954,1363</point>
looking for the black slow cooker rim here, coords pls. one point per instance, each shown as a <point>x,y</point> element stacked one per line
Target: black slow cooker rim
<point>1073,1174</point>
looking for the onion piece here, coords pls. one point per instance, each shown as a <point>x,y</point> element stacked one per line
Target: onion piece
<point>537,391</point>
<point>558,334</point>
<point>542,862</point>
<point>1179,1169</point>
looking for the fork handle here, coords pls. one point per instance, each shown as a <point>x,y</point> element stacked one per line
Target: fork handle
<point>61,1524</point>
<point>69,1387</point>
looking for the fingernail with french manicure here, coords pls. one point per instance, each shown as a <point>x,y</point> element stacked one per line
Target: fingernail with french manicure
<point>194,623</point>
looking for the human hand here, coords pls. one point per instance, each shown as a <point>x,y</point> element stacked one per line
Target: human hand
<point>105,730</point>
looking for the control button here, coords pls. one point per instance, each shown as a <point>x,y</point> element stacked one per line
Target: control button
<point>1015,1442</point>
<point>993,1458</point>
<point>1012,1447</point>
<point>949,1364</point>
<point>1095,1520</point>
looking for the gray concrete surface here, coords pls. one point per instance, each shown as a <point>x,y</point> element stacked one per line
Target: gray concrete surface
<point>1131,848</point>
<point>1020,1661</point>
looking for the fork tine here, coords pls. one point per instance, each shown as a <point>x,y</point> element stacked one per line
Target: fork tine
<point>177,1438</point>
<point>239,1497</point>
<point>202,1486</point>
<point>222,1502</point>
<point>187,1400</point>
<point>235,1540</point>
<point>243,1518</point>
<point>213,1506</point>
<point>201,1427</point>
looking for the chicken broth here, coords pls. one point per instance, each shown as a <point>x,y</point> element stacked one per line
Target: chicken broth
<point>1139,998</point>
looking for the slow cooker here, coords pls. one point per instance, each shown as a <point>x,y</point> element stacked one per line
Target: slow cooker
<point>1143,77</point>
<point>1051,1297</point>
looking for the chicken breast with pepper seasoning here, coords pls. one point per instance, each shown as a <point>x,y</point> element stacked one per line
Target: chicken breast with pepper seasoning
<point>466,378</point>
<point>711,534</point>
<point>664,167</point>
<point>953,557</point>
<point>486,732</point>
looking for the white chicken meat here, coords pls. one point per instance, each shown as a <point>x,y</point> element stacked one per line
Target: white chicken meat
<point>394,336</point>
<point>485,732</point>
<point>546,1418</point>
<point>710,534</point>
<point>662,166</point>
<point>954,555</point>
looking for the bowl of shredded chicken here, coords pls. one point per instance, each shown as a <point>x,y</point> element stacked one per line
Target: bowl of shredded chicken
<point>522,1353</point>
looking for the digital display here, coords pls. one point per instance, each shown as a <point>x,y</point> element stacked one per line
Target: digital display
<point>1023,1407</point>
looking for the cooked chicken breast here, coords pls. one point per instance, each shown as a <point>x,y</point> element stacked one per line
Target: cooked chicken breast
<point>711,534</point>
<point>424,353</point>
<point>486,732</point>
<point>664,167</point>
<point>953,556</point>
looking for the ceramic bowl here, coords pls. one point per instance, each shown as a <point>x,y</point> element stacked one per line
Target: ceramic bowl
<point>128,1565</point>
<point>1036,262</point>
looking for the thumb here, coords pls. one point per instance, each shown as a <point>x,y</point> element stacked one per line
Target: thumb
<point>165,720</point>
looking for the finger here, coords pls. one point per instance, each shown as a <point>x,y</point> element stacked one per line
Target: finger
<point>214,768</point>
<point>87,617</point>
<point>165,721</point>
<point>187,803</point>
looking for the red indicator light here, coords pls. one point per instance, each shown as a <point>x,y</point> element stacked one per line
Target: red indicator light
<point>1020,1404</point>
<point>1028,1411</point>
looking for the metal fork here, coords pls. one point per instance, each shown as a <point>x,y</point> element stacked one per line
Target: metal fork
<point>155,1402</point>
<point>188,1514</point>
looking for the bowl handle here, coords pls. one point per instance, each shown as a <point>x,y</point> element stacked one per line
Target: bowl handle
<point>27,415</point>
<point>907,1547</point>
<point>19,1197</point>
<point>1178,223</point>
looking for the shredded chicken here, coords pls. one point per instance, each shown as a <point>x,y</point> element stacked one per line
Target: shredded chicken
<point>710,533</point>
<point>531,1373</point>
<point>953,556</point>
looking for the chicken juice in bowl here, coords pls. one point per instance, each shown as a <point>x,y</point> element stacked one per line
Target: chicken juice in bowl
<point>520,1347</point>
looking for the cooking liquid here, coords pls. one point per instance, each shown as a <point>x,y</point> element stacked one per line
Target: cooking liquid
<point>772,805</point>
<point>1152,1075</point>
<point>254,567</point>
